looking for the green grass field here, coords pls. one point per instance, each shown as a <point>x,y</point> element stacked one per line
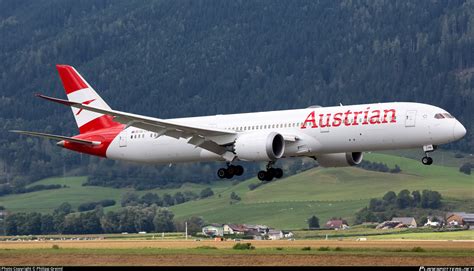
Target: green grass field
<point>285,203</point>
<point>47,200</point>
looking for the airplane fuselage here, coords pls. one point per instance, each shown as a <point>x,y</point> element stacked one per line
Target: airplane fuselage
<point>368,127</point>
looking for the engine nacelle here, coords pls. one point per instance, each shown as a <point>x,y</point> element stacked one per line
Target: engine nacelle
<point>259,146</point>
<point>340,159</point>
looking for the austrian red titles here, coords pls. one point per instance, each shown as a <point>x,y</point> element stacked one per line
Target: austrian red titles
<point>350,118</point>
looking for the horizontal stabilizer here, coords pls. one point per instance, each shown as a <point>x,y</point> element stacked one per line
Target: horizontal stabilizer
<point>57,137</point>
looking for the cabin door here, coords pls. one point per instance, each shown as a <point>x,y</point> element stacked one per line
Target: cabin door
<point>123,138</point>
<point>410,118</point>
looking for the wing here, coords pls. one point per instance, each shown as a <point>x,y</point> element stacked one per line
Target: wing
<point>57,137</point>
<point>211,139</point>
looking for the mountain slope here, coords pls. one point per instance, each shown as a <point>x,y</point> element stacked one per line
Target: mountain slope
<point>285,203</point>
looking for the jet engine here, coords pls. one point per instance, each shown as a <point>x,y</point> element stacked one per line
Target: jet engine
<point>259,146</point>
<point>340,159</point>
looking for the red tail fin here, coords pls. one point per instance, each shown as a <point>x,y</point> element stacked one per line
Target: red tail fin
<point>78,90</point>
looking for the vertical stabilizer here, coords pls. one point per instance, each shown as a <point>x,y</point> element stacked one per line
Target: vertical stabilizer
<point>78,90</point>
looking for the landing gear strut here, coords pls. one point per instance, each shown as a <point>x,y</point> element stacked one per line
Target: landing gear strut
<point>426,160</point>
<point>270,173</point>
<point>230,171</point>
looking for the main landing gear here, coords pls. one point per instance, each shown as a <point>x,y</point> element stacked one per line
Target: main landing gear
<point>230,171</point>
<point>426,160</point>
<point>270,173</point>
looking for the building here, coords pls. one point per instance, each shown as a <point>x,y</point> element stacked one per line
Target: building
<point>275,234</point>
<point>213,230</point>
<point>336,224</point>
<point>259,228</point>
<point>431,223</point>
<point>288,234</point>
<point>410,222</point>
<point>234,229</point>
<point>434,221</point>
<point>460,219</point>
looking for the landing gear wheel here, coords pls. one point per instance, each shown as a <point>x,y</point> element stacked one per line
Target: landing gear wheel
<point>278,173</point>
<point>231,170</point>
<point>222,173</point>
<point>239,170</point>
<point>427,160</point>
<point>270,174</point>
<point>261,175</point>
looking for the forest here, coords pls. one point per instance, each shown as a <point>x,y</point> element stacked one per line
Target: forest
<point>201,57</point>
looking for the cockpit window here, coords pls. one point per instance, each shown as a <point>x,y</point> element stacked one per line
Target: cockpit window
<point>443,116</point>
<point>448,116</point>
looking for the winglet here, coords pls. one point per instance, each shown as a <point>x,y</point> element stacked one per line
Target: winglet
<point>56,100</point>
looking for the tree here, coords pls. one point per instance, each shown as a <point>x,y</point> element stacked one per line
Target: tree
<point>234,196</point>
<point>163,220</point>
<point>32,224</point>
<point>90,223</point>
<point>365,215</point>
<point>416,198</point>
<point>144,218</point>
<point>11,227</point>
<point>151,198</point>
<point>127,219</point>
<point>168,200</point>
<point>194,225</point>
<point>313,222</point>
<point>47,224</point>
<point>466,168</point>
<point>129,199</point>
<point>190,195</point>
<point>110,222</point>
<point>179,198</point>
<point>206,192</point>
<point>63,209</point>
<point>390,197</point>
<point>376,205</point>
<point>72,224</point>
<point>430,199</point>
<point>396,169</point>
<point>404,199</point>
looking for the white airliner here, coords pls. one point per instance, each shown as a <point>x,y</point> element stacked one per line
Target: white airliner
<point>335,136</point>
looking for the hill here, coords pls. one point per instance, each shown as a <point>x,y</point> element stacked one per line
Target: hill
<point>185,58</point>
<point>285,203</point>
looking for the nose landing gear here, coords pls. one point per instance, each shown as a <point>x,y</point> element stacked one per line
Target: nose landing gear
<point>426,160</point>
<point>270,173</point>
<point>230,171</point>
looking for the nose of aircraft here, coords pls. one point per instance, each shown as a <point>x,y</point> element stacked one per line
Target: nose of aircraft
<point>458,131</point>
